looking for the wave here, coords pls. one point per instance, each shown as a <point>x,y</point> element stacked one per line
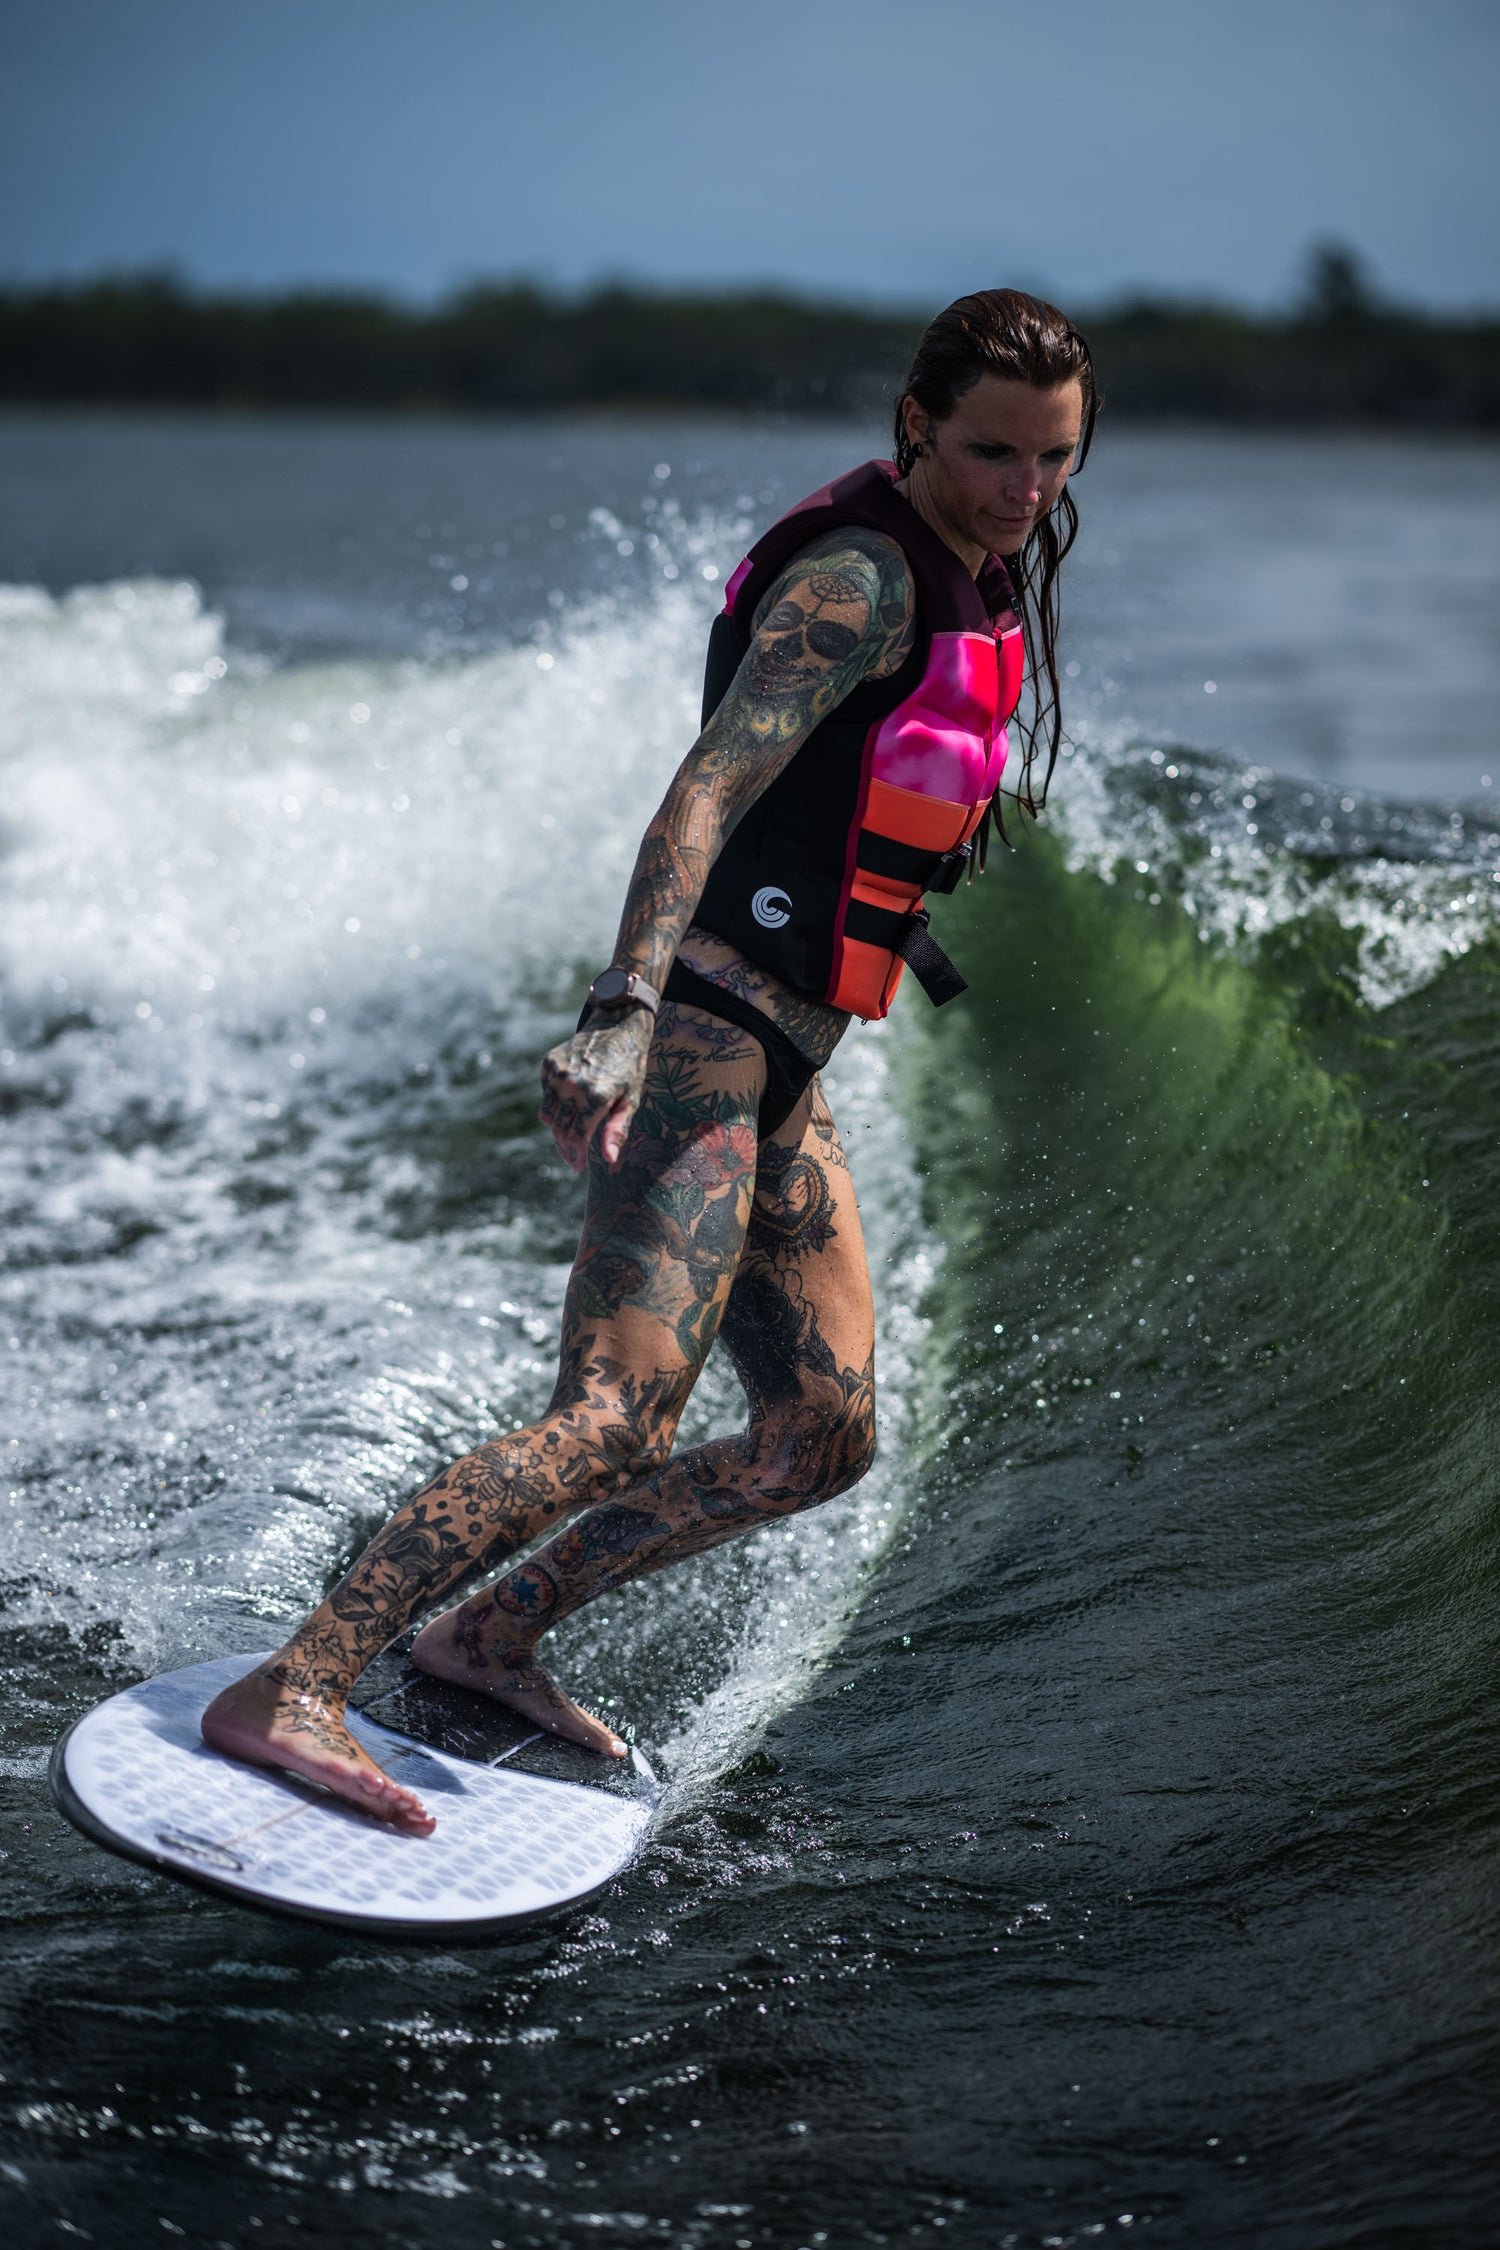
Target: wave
<point>281,949</point>
<point>1222,1258</point>
<point>1246,852</point>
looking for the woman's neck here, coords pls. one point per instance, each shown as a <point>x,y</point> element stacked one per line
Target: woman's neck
<point>916,491</point>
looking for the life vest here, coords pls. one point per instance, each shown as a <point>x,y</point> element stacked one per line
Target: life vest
<point>822,880</point>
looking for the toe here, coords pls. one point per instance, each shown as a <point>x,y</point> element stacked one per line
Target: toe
<point>396,1804</point>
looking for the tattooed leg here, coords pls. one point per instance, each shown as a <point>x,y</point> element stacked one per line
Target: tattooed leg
<point>654,1274</point>
<point>660,1247</point>
<point>799,1327</point>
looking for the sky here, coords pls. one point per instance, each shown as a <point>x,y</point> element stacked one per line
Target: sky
<point>872,149</point>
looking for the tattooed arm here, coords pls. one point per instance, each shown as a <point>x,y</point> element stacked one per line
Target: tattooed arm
<point>841,612</point>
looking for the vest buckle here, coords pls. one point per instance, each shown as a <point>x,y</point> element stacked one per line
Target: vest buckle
<point>949,871</point>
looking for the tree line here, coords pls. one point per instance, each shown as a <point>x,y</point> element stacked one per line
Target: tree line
<point>1339,354</point>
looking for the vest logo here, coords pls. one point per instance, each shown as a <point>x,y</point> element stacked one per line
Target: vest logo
<point>771,908</point>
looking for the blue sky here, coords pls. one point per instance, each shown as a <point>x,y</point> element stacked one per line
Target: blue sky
<point>863,147</point>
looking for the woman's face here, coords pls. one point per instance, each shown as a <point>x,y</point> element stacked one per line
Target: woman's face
<point>997,462</point>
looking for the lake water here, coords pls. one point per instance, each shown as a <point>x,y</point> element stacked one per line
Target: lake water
<point>1082,1832</point>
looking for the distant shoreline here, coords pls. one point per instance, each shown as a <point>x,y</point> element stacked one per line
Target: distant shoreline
<point>1340,358</point>
<point>685,414</point>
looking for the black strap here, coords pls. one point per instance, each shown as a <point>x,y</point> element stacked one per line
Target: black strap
<point>789,1072</point>
<point>908,936</point>
<point>907,863</point>
<point>929,964</point>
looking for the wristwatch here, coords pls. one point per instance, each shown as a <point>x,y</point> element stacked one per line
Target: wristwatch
<point>617,988</point>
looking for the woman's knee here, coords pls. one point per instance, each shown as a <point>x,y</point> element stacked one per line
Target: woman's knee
<point>637,1457</point>
<point>818,1452</point>
<point>610,1448</point>
<point>563,1463</point>
<point>850,1455</point>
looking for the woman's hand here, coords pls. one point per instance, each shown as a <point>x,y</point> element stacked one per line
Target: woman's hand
<point>592,1084</point>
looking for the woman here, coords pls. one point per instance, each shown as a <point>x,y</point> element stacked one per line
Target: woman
<point>869,654</point>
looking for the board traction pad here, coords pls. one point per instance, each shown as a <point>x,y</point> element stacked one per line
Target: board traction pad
<point>526,1824</point>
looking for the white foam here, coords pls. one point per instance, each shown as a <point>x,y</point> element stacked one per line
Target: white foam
<point>232,1356</point>
<point>1259,851</point>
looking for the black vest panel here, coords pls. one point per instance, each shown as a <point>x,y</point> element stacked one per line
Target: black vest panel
<point>797,840</point>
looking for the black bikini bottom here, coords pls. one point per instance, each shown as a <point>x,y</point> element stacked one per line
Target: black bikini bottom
<point>788,1071</point>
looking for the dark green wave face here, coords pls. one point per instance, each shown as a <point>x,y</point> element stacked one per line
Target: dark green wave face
<point>1188,1178</point>
<point>1207,1587</point>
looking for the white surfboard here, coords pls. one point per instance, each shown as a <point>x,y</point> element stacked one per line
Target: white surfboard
<point>525,1824</point>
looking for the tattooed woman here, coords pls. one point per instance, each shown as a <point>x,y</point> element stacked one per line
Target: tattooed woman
<point>871,648</point>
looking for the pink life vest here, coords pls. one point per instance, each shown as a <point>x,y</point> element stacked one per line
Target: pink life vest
<point>822,880</point>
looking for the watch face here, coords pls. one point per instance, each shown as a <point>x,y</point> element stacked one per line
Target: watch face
<point>610,985</point>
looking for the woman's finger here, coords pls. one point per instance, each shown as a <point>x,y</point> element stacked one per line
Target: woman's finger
<point>557,1086</point>
<point>572,1125</point>
<point>565,1141</point>
<point>591,1123</point>
<point>615,1130</point>
<point>563,1099</point>
<point>576,1108</point>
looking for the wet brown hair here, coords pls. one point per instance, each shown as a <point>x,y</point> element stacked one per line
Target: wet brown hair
<point>1022,339</point>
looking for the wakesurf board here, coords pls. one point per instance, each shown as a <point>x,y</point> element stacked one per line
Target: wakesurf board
<point>526,1824</point>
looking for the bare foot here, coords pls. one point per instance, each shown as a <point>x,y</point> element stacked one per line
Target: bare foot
<point>455,1647</point>
<point>267,1723</point>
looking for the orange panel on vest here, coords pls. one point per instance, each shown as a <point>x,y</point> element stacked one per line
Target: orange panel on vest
<point>868,977</point>
<point>930,823</point>
<point>883,890</point>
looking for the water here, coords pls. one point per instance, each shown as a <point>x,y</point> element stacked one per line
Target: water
<point>1085,1826</point>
